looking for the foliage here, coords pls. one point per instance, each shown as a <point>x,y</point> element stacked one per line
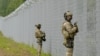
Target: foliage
<point>8,6</point>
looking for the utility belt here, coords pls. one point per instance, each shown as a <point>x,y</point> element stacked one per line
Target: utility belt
<point>39,40</point>
<point>70,42</point>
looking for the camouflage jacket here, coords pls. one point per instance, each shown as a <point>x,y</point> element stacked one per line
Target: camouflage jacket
<point>68,30</point>
<point>39,34</point>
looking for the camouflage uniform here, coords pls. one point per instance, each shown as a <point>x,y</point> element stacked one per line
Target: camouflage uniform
<point>69,31</point>
<point>40,36</point>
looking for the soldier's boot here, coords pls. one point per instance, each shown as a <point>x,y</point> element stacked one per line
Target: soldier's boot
<point>69,52</point>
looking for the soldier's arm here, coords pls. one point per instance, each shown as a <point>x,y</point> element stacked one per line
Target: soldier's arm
<point>43,33</point>
<point>43,36</point>
<point>62,29</point>
<point>71,29</point>
<point>75,25</point>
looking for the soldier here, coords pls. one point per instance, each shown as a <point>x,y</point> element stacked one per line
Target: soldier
<point>40,36</point>
<point>69,31</point>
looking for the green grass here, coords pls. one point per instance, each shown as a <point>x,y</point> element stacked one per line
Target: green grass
<point>8,6</point>
<point>11,48</point>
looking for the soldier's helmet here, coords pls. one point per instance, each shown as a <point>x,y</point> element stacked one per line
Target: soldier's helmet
<point>38,25</point>
<point>68,13</point>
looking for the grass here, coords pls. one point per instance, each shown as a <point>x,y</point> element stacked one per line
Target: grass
<point>8,6</point>
<point>9,47</point>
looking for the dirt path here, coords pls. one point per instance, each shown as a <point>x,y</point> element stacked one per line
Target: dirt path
<point>2,53</point>
<point>23,53</point>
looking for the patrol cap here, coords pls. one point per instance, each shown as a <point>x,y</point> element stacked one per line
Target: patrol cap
<point>68,13</point>
<point>38,25</point>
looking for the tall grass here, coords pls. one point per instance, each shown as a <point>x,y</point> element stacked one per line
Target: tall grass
<point>12,48</point>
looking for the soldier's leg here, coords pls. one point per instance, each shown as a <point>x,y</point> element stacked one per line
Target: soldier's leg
<point>39,49</point>
<point>69,52</point>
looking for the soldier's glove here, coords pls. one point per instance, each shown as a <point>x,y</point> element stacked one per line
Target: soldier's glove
<point>75,24</point>
<point>44,39</point>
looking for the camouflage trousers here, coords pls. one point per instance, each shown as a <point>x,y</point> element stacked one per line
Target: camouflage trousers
<point>68,43</point>
<point>39,49</point>
<point>69,52</point>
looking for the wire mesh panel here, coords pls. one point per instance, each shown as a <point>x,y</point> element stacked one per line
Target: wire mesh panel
<point>20,25</point>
